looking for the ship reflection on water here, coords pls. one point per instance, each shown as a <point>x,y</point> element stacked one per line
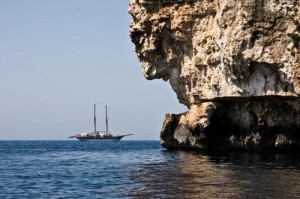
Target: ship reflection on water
<point>228,175</point>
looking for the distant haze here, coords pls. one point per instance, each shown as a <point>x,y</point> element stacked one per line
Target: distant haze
<point>58,58</point>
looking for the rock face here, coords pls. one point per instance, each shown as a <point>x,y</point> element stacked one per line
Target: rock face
<point>234,64</point>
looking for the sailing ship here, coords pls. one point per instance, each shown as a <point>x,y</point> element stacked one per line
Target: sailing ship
<point>99,135</point>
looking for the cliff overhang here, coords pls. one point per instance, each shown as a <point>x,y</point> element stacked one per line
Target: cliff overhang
<point>234,64</point>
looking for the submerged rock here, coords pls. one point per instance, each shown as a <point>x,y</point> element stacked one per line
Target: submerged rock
<point>234,64</point>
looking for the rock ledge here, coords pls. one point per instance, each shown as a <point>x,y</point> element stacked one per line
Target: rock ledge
<point>234,64</point>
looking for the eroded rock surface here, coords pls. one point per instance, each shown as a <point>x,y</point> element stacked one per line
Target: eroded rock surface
<point>234,63</point>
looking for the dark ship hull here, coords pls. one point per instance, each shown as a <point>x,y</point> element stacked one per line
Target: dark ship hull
<point>114,138</point>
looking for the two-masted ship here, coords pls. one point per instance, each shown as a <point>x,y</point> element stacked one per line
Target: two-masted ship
<point>98,135</point>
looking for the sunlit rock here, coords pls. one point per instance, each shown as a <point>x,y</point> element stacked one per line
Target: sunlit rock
<point>240,57</point>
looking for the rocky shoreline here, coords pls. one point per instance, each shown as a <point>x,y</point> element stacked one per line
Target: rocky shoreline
<point>234,64</point>
<point>227,125</point>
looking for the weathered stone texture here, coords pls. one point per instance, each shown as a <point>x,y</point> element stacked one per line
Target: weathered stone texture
<point>227,51</point>
<point>235,125</point>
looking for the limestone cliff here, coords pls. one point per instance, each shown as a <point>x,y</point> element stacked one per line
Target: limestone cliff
<point>234,63</point>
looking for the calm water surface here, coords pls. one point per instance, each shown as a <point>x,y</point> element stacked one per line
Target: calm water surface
<point>141,169</point>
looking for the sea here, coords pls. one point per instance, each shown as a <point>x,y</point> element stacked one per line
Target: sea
<point>141,169</point>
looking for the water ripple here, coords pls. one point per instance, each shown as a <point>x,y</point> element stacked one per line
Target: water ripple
<point>141,169</point>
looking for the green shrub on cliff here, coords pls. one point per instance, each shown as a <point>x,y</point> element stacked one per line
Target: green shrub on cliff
<point>295,38</point>
<point>297,23</point>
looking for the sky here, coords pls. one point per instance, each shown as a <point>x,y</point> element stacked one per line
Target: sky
<point>59,57</point>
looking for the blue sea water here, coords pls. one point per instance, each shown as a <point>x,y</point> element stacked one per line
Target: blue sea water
<point>141,169</point>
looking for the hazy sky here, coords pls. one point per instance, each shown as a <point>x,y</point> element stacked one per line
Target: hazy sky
<point>59,57</point>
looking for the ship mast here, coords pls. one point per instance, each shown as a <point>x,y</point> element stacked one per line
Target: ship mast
<point>106,120</point>
<point>95,118</point>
